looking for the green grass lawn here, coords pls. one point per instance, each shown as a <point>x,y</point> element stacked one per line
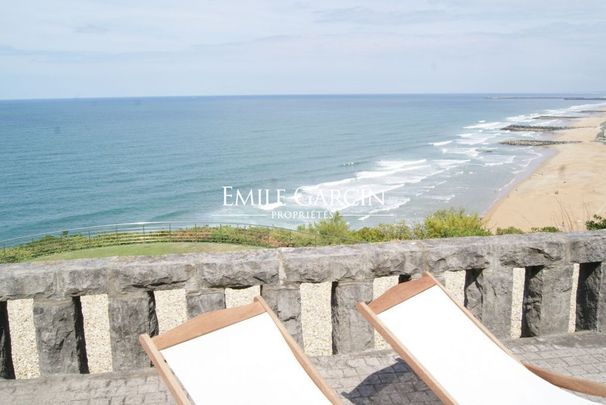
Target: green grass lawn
<point>147,249</point>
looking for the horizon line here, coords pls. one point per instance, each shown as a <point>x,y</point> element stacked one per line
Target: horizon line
<point>601,94</point>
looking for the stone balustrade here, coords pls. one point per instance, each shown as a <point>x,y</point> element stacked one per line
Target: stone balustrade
<point>130,282</point>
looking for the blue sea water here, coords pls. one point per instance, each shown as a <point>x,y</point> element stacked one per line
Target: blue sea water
<point>75,163</point>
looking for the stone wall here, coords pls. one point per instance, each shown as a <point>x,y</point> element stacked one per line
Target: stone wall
<point>130,282</point>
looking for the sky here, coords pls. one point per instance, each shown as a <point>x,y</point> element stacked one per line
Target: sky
<point>117,48</point>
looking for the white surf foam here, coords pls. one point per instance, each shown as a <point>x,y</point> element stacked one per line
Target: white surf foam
<point>491,160</point>
<point>387,176</point>
<point>270,207</point>
<point>386,208</point>
<point>479,140</point>
<point>471,152</point>
<point>522,118</point>
<point>441,197</point>
<point>487,125</point>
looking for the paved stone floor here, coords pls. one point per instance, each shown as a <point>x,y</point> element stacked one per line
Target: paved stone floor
<point>377,377</point>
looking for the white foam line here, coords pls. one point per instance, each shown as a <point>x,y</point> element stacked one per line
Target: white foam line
<point>392,207</point>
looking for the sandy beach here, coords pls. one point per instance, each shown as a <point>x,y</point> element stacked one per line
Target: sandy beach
<point>566,190</point>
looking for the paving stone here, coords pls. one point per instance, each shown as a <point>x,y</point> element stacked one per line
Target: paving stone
<point>372,377</point>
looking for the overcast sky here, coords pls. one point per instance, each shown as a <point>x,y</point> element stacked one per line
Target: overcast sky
<point>83,48</point>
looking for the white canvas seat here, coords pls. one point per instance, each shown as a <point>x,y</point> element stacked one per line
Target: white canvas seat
<point>457,357</point>
<point>239,355</point>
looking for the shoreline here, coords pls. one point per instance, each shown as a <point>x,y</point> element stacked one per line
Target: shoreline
<point>528,171</point>
<point>566,187</point>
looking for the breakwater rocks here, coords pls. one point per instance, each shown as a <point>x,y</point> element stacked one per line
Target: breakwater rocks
<point>585,98</point>
<point>534,142</point>
<point>601,137</point>
<point>555,117</point>
<point>533,128</point>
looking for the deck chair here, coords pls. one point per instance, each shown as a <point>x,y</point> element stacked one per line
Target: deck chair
<point>457,357</point>
<point>241,355</point>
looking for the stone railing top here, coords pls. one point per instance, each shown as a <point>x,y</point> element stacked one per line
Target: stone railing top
<point>284,266</point>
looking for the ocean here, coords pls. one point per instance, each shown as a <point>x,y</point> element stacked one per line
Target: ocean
<point>374,158</point>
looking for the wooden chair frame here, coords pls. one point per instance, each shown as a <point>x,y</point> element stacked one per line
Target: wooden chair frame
<point>210,322</point>
<point>409,289</point>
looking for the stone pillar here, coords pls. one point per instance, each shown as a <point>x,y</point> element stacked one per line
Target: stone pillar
<point>591,297</point>
<point>350,331</point>
<point>60,336</point>
<point>130,315</point>
<point>546,306</point>
<point>205,300</point>
<point>6,358</point>
<point>285,301</point>
<point>488,296</point>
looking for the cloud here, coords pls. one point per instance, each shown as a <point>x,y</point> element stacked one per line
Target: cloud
<point>363,15</point>
<point>277,46</point>
<point>91,29</point>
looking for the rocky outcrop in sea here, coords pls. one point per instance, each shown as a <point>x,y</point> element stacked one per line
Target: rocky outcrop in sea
<point>555,117</point>
<point>533,128</point>
<point>534,142</point>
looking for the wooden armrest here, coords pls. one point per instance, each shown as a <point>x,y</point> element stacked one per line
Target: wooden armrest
<point>570,383</point>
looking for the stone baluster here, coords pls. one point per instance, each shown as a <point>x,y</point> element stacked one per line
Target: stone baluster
<point>130,315</point>
<point>6,360</point>
<point>204,300</point>
<point>547,294</point>
<point>350,331</point>
<point>488,296</point>
<point>591,297</point>
<point>60,336</point>
<point>285,301</point>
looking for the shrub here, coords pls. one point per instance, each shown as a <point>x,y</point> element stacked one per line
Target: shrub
<point>598,222</point>
<point>384,232</point>
<point>451,223</point>
<point>509,231</point>
<point>550,229</point>
<point>369,234</point>
<point>332,230</point>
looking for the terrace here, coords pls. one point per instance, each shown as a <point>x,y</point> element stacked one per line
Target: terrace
<point>543,294</point>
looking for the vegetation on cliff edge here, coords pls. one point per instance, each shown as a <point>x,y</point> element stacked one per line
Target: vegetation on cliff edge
<point>336,230</point>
